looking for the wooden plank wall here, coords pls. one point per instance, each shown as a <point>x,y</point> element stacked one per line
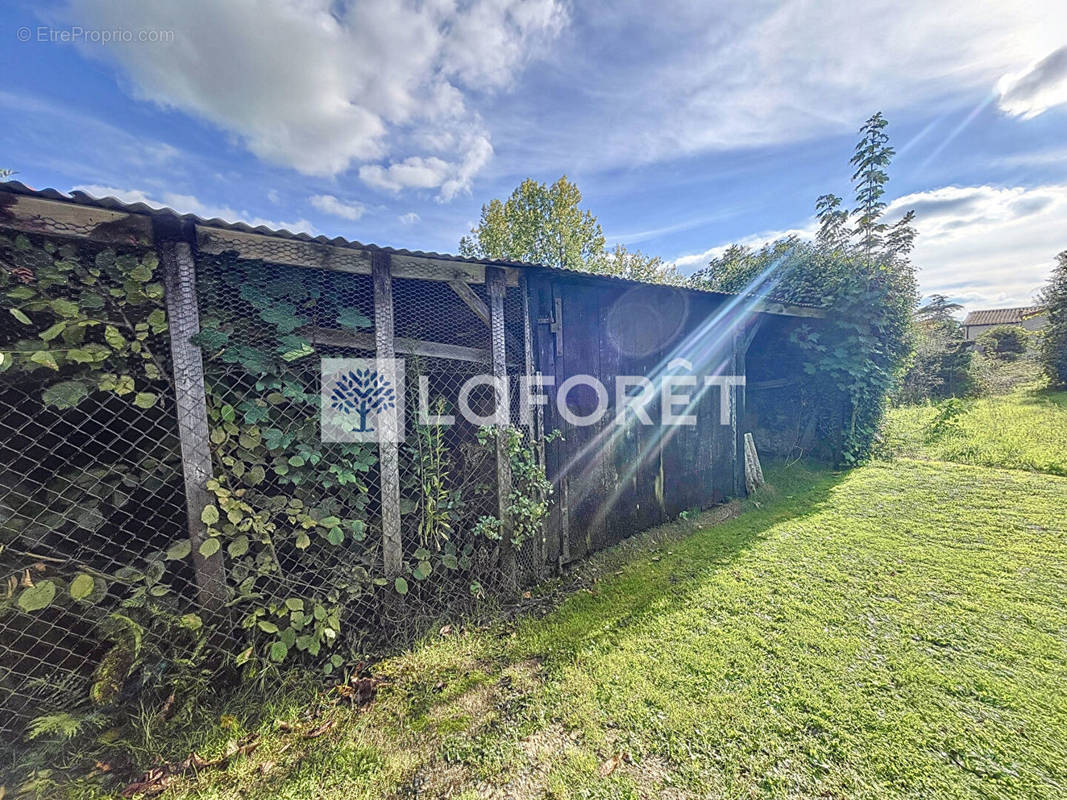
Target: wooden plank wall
<point>613,481</point>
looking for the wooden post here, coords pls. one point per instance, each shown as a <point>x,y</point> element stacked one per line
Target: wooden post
<point>388,454</point>
<point>495,283</point>
<point>737,443</point>
<point>535,423</point>
<point>179,278</point>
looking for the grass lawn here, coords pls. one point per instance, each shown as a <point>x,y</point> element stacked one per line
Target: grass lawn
<point>896,631</point>
<point>1026,429</point>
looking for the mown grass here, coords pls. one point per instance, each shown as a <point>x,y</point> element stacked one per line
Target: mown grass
<point>1026,429</point>
<point>897,631</point>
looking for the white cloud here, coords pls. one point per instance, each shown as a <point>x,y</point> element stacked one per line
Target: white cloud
<point>328,204</point>
<point>410,218</point>
<point>987,245</point>
<point>1037,89</point>
<point>320,86</point>
<point>979,245</point>
<point>416,172</point>
<point>188,204</point>
<point>725,75</point>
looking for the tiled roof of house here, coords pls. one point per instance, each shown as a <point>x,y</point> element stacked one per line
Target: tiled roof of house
<point>1002,316</point>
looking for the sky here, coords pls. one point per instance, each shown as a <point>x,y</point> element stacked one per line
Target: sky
<point>686,125</point>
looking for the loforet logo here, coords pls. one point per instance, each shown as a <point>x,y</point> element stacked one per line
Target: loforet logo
<point>362,399</point>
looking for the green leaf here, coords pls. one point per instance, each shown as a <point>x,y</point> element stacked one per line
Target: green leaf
<point>158,320</point>
<point>37,597</point>
<point>422,554</point>
<point>353,319</point>
<point>267,627</point>
<point>82,586</point>
<point>114,339</point>
<point>45,359</point>
<point>64,307</point>
<point>145,399</point>
<point>209,547</point>
<point>450,561</point>
<point>294,604</point>
<point>17,314</point>
<point>192,622</point>
<point>401,586</point>
<point>278,651</point>
<point>65,394</point>
<point>50,333</point>
<point>335,536</point>
<point>302,541</point>
<point>238,547</point>
<point>244,656</point>
<point>179,550</point>
<point>330,522</point>
<point>210,515</point>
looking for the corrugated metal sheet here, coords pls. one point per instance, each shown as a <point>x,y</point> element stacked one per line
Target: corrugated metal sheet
<point>114,204</point>
<point>1002,316</point>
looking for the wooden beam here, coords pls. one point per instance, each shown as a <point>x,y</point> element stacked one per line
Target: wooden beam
<point>59,218</point>
<point>354,259</point>
<point>495,281</point>
<point>415,347</point>
<point>388,454</point>
<point>787,309</point>
<point>179,277</point>
<point>473,301</point>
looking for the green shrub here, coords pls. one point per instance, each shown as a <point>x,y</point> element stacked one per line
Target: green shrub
<point>1006,342</point>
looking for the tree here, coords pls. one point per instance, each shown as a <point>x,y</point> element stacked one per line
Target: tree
<point>833,231</point>
<point>1054,336</point>
<point>540,224</point>
<point>636,266</point>
<point>937,309</point>
<point>862,273</point>
<point>6,173</point>
<point>871,158</point>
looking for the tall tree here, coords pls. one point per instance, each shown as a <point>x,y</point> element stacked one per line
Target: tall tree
<point>871,159</point>
<point>1054,336</point>
<point>540,224</point>
<point>936,309</point>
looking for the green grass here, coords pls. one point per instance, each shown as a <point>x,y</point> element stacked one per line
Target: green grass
<point>1026,429</point>
<point>897,631</point>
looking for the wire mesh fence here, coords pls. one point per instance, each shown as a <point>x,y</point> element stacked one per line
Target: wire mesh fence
<point>108,577</point>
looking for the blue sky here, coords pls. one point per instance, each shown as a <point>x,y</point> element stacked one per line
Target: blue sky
<point>687,126</point>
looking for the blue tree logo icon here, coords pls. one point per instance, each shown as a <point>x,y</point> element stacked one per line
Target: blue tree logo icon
<point>362,392</point>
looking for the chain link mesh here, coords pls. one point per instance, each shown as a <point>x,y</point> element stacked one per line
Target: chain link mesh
<point>93,500</point>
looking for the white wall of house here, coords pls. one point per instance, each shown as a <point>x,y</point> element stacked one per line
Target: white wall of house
<point>972,332</point>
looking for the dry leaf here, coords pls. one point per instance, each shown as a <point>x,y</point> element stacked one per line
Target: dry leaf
<point>445,630</point>
<point>526,595</point>
<point>285,727</point>
<point>609,766</point>
<point>317,732</point>
<point>266,767</point>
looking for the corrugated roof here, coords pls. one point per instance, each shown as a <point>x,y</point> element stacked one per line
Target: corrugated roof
<point>114,204</point>
<point>1002,316</point>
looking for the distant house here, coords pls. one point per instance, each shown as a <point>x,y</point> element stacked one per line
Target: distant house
<point>1032,318</point>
